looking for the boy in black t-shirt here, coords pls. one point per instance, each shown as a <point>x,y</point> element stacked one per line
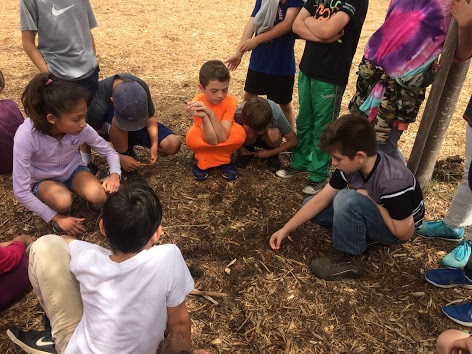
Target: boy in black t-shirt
<point>331,35</point>
<point>383,203</point>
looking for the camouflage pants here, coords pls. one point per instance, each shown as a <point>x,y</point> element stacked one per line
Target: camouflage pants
<point>401,100</point>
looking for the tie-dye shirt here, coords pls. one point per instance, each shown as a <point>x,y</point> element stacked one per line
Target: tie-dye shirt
<point>411,37</point>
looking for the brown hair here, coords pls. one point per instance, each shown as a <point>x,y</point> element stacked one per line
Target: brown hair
<point>213,70</point>
<point>349,134</point>
<point>257,113</point>
<point>46,94</point>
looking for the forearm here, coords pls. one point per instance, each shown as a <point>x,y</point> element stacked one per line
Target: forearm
<point>179,326</point>
<point>152,130</point>
<point>248,31</point>
<point>403,229</point>
<point>209,134</point>
<point>28,38</point>
<point>221,132</point>
<point>278,30</point>
<point>464,42</point>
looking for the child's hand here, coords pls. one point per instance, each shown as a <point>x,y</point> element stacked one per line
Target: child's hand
<point>249,44</point>
<point>244,152</point>
<point>460,346</point>
<point>263,154</point>
<point>112,183</point>
<point>198,109</point>
<point>435,66</point>
<point>461,11</point>
<point>128,163</point>
<point>70,225</point>
<point>24,239</point>
<point>153,153</point>
<point>276,239</point>
<point>233,62</point>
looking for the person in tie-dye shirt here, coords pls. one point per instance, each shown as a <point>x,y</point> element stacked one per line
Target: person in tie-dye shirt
<point>396,68</point>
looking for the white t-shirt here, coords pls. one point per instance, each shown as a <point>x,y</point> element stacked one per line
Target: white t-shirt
<point>125,304</point>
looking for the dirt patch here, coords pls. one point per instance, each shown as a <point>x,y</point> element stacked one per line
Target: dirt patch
<point>275,305</point>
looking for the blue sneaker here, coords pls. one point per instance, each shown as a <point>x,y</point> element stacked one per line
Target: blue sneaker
<point>438,229</point>
<point>198,173</point>
<point>458,257</point>
<point>448,278</point>
<point>461,314</point>
<point>229,171</point>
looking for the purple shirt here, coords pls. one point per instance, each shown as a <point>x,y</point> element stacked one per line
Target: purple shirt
<point>38,157</point>
<point>10,120</point>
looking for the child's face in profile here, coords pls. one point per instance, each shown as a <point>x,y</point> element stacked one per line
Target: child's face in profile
<point>216,91</point>
<point>72,122</point>
<point>344,163</point>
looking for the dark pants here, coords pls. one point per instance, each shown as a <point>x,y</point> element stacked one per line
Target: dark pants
<point>14,282</point>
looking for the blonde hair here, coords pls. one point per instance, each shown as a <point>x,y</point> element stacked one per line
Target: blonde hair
<point>2,81</point>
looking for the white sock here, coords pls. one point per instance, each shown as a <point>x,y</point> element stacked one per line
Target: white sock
<point>86,157</point>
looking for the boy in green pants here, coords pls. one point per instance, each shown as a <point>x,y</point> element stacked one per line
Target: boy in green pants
<point>331,42</point>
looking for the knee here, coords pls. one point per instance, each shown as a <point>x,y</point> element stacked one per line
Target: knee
<point>345,198</point>
<point>44,244</point>
<point>62,203</point>
<point>446,338</point>
<point>95,194</point>
<point>170,145</point>
<point>274,137</point>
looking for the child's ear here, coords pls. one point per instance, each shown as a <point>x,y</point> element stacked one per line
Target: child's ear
<point>51,118</point>
<point>101,227</point>
<point>157,235</point>
<point>361,156</point>
<point>201,88</point>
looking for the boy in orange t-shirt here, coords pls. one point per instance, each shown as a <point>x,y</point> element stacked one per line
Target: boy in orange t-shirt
<point>214,137</point>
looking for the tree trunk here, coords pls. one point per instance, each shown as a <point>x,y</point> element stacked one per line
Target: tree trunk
<point>442,118</point>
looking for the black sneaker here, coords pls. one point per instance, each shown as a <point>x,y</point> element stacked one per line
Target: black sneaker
<point>93,168</point>
<point>133,177</point>
<point>273,163</point>
<point>94,208</point>
<point>57,229</point>
<point>342,267</point>
<point>35,342</point>
<point>195,271</point>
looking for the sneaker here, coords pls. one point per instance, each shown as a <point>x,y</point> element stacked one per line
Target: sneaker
<point>439,229</point>
<point>133,177</point>
<point>243,161</point>
<point>229,171</point>
<point>448,278</point>
<point>273,163</point>
<point>288,172</point>
<point>313,187</point>
<point>93,168</point>
<point>461,314</point>
<point>35,342</point>
<point>57,229</point>
<point>94,208</point>
<point>458,257</point>
<point>338,268</point>
<point>195,271</point>
<point>198,173</point>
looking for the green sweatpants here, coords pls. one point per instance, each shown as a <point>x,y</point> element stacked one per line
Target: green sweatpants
<point>319,105</point>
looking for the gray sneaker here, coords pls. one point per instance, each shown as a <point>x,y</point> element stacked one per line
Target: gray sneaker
<point>313,188</point>
<point>288,172</point>
<point>339,268</point>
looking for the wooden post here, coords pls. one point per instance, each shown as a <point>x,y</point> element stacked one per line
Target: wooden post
<point>435,94</point>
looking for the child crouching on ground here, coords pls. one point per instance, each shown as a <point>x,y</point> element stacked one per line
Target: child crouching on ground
<point>383,204</point>
<point>118,301</point>
<point>265,125</point>
<point>47,164</point>
<point>214,137</point>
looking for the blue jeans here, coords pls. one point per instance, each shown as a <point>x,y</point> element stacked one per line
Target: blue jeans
<point>355,222</point>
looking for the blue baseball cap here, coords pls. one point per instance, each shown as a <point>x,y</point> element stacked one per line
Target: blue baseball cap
<point>131,106</point>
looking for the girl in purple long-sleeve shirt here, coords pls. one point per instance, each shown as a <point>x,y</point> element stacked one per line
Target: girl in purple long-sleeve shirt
<point>46,162</point>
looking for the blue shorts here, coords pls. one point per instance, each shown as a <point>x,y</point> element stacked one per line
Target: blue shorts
<point>139,137</point>
<point>67,182</point>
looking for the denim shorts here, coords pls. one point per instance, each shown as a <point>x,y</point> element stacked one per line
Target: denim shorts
<point>139,137</point>
<point>67,182</point>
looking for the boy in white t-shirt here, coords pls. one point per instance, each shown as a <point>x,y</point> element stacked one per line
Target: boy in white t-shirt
<point>118,301</point>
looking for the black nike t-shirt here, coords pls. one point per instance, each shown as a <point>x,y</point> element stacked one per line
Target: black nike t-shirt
<point>331,62</point>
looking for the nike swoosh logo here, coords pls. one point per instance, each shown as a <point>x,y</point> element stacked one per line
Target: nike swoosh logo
<point>41,342</point>
<point>56,12</point>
